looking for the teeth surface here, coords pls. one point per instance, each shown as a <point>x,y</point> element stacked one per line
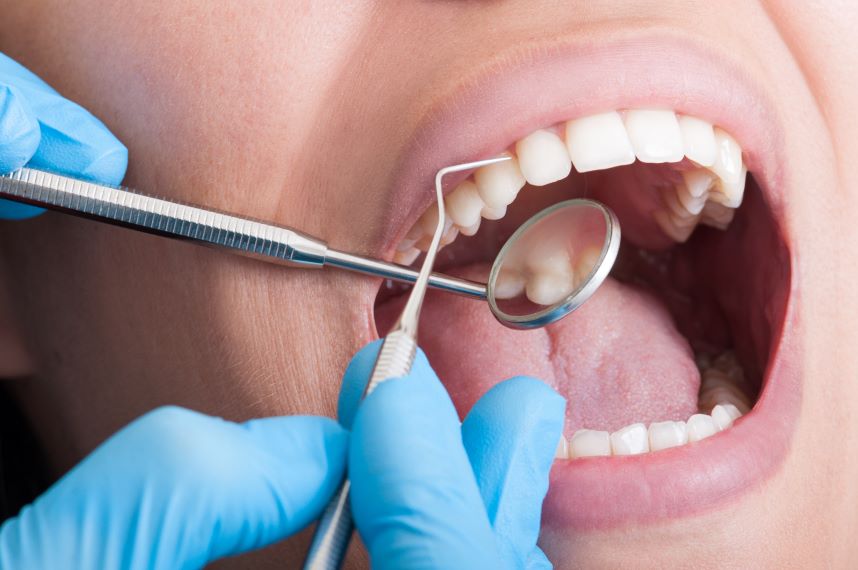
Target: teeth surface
<point>598,142</point>
<point>664,435</point>
<point>406,257</point>
<point>562,449</point>
<point>724,415</point>
<point>549,274</point>
<point>543,158</point>
<point>709,192</point>
<point>630,440</point>
<point>589,443</point>
<point>464,205</point>
<point>499,183</point>
<point>510,284</point>
<point>701,426</point>
<point>655,135</point>
<point>698,138</point>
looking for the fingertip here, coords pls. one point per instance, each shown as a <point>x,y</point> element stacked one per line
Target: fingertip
<point>19,131</point>
<point>110,166</point>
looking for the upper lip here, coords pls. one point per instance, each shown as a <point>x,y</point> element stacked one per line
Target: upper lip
<point>498,104</point>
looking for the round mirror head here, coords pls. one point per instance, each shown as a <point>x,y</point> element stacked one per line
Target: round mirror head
<point>553,263</point>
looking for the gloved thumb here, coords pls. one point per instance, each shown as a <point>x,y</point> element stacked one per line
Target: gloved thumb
<point>178,489</point>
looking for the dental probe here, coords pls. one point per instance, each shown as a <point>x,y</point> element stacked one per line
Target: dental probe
<point>335,527</point>
<point>244,236</point>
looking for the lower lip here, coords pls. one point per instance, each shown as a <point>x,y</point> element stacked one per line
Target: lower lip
<point>601,493</point>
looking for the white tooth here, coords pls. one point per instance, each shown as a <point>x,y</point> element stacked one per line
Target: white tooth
<point>730,194</point>
<point>655,135</point>
<point>549,287</point>
<point>691,204</point>
<point>698,138</point>
<point>488,213</point>
<point>717,215</point>
<point>589,443</point>
<point>722,418</point>
<point>499,183</point>
<point>470,230</point>
<point>670,228</point>
<point>562,449</point>
<point>630,440</point>
<point>543,158</point>
<point>732,410</point>
<point>406,244</point>
<point>509,285</point>
<point>598,142</point>
<point>698,181</point>
<point>728,161</point>
<point>585,261</point>
<point>463,205</point>
<point>664,435</point>
<point>416,231</point>
<point>701,426</point>
<point>450,235</point>
<point>681,215</point>
<point>406,257</point>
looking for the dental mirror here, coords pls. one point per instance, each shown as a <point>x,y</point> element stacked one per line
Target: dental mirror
<point>553,263</point>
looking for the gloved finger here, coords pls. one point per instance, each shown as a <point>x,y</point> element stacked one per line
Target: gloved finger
<point>178,489</point>
<point>71,141</point>
<point>355,380</point>
<point>19,131</point>
<point>511,437</point>
<point>413,494</point>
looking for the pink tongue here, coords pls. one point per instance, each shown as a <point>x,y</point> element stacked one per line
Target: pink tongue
<point>618,359</point>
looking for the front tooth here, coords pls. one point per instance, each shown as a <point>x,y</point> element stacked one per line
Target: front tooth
<point>562,449</point>
<point>698,181</point>
<point>589,443</point>
<point>488,213</point>
<point>509,284</point>
<point>664,435</point>
<point>655,135</point>
<point>543,158</point>
<point>698,138</point>
<point>630,440</point>
<point>598,142</point>
<point>722,418</point>
<point>728,161</point>
<point>499,183</point>
<point>464,205</point>
<point>700,426</point>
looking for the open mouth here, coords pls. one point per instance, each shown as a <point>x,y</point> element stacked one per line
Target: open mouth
<point>668,369</point>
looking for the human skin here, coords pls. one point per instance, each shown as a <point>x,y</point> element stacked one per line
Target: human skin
<point>302,115</point>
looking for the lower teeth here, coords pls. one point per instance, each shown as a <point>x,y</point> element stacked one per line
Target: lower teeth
<point>721,402</point>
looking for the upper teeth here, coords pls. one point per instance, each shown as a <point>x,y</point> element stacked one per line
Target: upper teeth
<point>707,193</point>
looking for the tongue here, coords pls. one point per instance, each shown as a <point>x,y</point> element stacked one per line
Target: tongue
<point>618,359</point>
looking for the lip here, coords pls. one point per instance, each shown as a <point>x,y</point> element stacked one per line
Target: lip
<point>539,85</point>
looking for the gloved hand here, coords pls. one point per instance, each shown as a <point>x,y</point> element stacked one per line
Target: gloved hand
<point>177,489</point>
<point>41,129</point>
<point>427,493</point>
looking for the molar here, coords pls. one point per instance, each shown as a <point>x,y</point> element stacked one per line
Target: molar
<point>598,142</point>
<point>543,158</point>
<point>701,426</point>
<point>655,135</point>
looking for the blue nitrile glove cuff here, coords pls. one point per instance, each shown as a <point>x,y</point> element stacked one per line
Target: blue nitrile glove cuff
<point>41,129</point>
<point>429,493</point>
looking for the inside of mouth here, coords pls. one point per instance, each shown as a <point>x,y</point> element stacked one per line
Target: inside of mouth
<point>684,323</point>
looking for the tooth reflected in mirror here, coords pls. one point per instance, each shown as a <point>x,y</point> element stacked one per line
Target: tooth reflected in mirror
<point>549,264</point>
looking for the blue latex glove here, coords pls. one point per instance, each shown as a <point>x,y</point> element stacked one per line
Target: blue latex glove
<point>177,489</point>
<point>41,129</point>
<point>427,493</point>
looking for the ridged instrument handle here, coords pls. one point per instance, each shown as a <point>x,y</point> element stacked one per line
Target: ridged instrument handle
<point>335,527</point>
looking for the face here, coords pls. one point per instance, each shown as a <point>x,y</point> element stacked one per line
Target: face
<point>333,119</point>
